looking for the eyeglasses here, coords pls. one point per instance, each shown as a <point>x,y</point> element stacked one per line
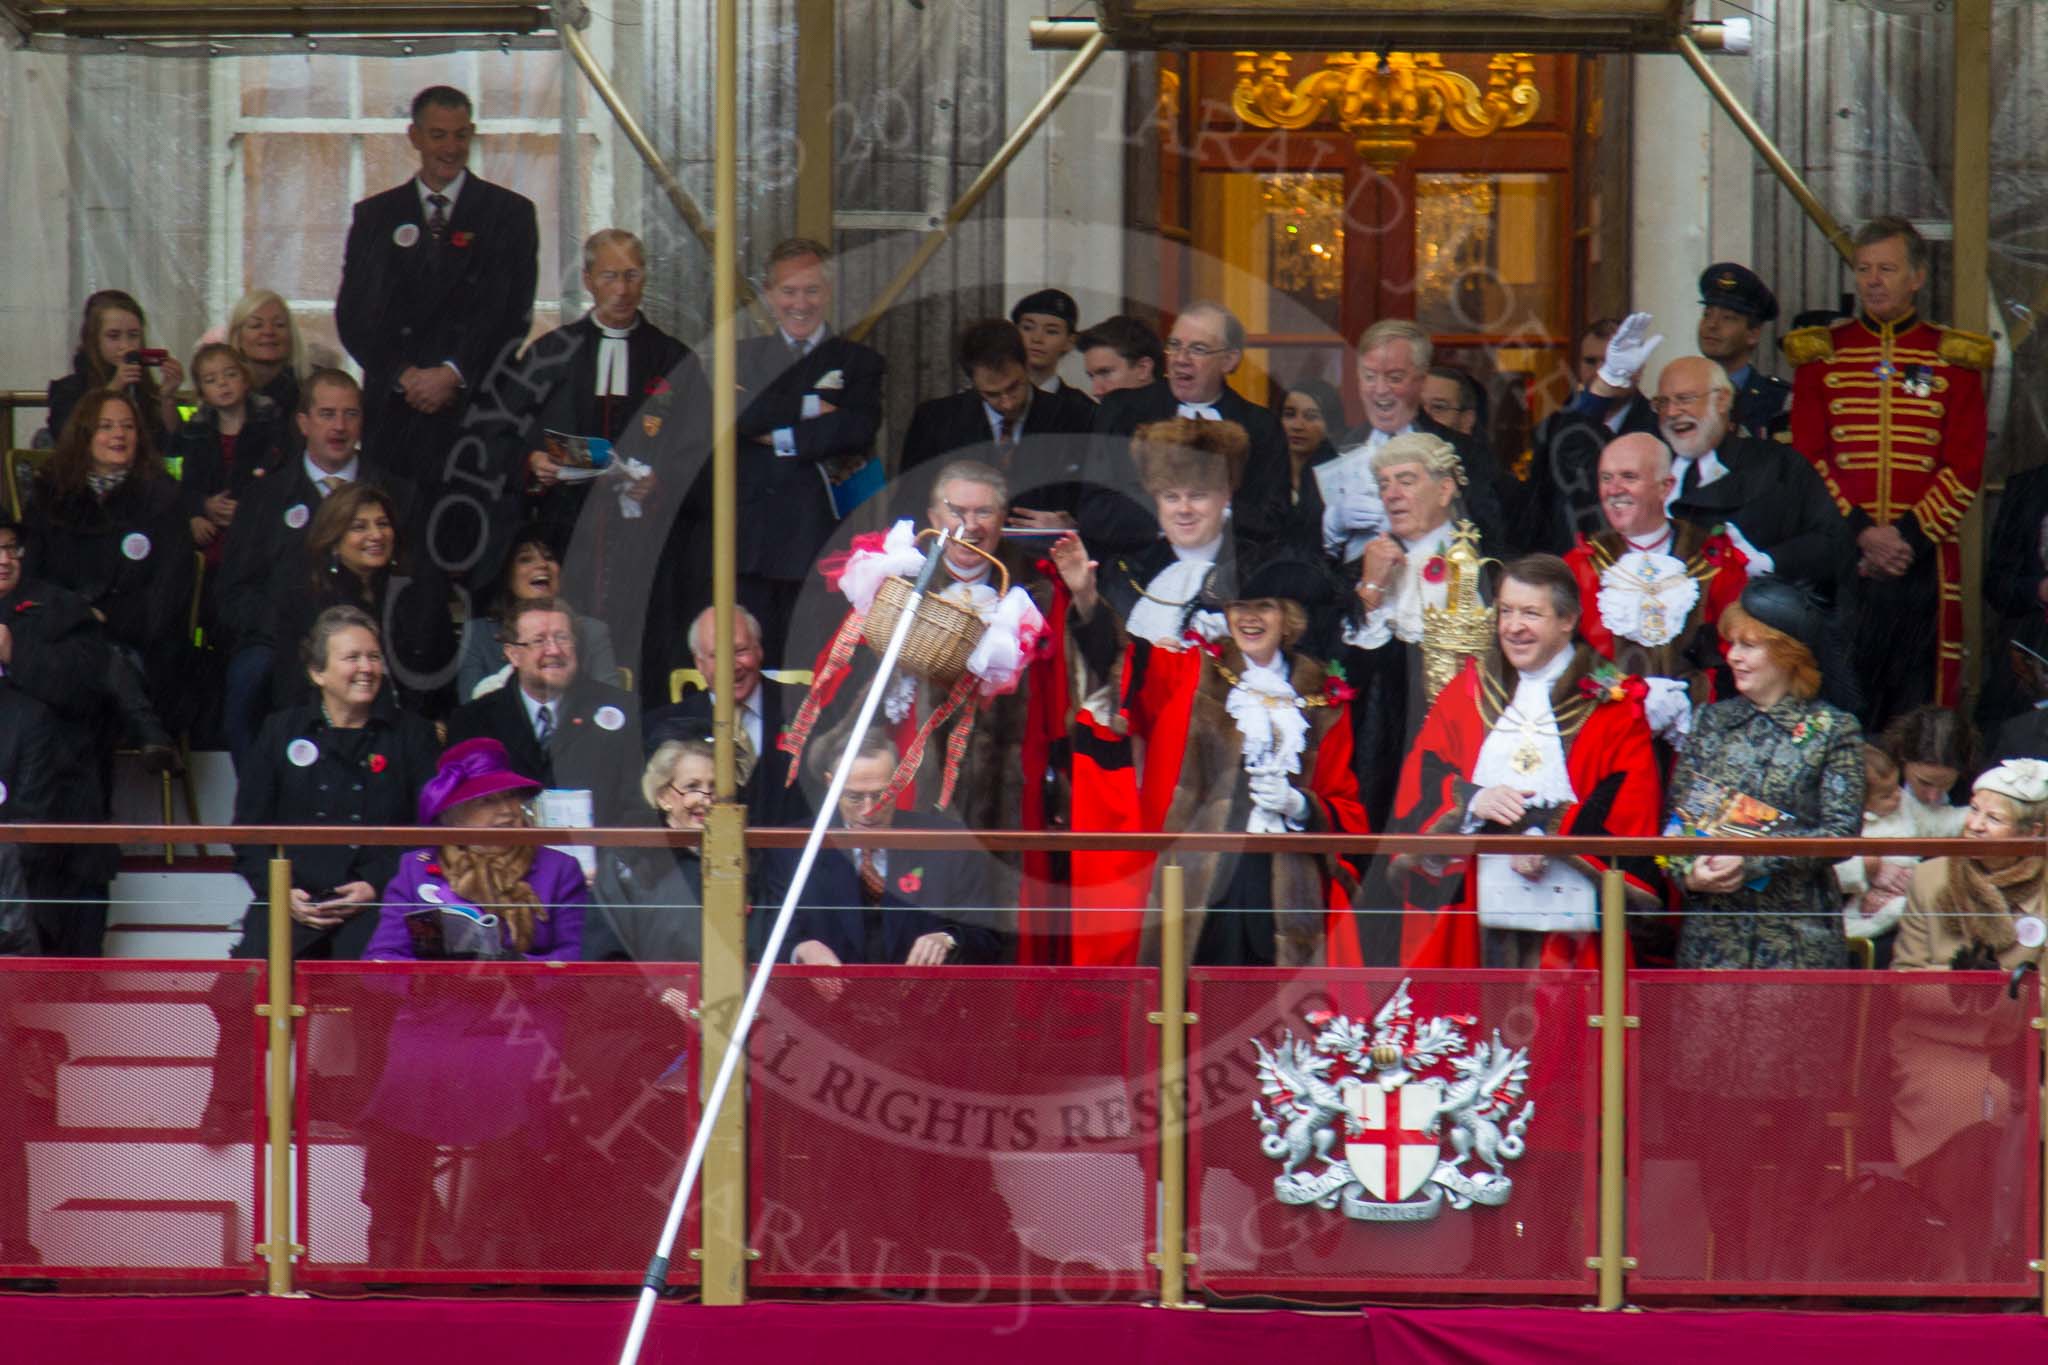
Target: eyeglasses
<point>1443,406</point>
<point>1198,350</point>
<point>12,549</point>
<point>560,640</point>
<point>874,798</point>
<point>694,789</point>
<point>1662,404</point>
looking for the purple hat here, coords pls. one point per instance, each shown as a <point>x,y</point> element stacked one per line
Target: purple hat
<point>473,768</point>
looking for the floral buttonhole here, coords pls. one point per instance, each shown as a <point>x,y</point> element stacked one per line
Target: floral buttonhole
<point>1336,686</point>
<point>656,385</point>
<point>1433,571</point>
<point>378,763</point>
<point>462,239</point>
<point>911,882</point>
<point>25,604</point>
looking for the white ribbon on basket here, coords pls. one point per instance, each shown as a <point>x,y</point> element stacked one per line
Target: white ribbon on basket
<point>1011,624</point>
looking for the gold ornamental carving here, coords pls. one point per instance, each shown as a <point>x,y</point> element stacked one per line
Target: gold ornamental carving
<point>1386,101</point>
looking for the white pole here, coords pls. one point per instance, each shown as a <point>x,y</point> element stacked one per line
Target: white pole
<point>657,1269</point>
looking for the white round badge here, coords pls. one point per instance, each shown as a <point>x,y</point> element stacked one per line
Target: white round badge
<point>302,752</point>
<point>609,717</point>
<point>296,516</point>
<point>2031,931</point>
<point>3,793</point>
<point>430,893</point>
<point>406,234</point>
<point>135,545</point>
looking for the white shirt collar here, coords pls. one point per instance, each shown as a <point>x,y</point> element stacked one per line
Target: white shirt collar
<point>348,473</point>
<point>533,707</point>
<point>1050,384</point>
<point>1710,467</point>
<point>1206,553</point>
<point>995,421</point>
<point>809,343</point>
<point>1548,675</point>
<point>616,333</point>
<point>451,192</point>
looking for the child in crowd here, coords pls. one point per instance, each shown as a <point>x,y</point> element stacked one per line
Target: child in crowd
<point>1908,776</point>
<point>113,353</point>
<point>234,439</point>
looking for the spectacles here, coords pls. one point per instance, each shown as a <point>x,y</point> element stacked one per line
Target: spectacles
<point>1199,350</point>
<point>874,798</point>
<point>694,790</point>
<point>1442,405</point>
<point>1662,404</point>
<point>560,640</point>
<point>12,549</point>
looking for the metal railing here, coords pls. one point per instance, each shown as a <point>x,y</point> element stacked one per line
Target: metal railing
<point>725,1250</point>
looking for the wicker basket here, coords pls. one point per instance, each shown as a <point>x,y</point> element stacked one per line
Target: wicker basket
<point>944,634</point>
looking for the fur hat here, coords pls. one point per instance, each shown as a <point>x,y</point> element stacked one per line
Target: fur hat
<point>1184,453</point>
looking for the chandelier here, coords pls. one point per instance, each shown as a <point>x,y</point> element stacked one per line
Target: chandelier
<point>1308,238</point>
<point>1386,101</point>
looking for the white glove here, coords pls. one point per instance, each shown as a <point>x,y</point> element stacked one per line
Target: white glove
<point>1669,710</point>
<point>1273,792</point>
<point>1362,509</point>
<point>1628,350</point>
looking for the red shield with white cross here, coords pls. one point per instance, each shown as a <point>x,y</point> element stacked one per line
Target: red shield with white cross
<point>1392,1158</point>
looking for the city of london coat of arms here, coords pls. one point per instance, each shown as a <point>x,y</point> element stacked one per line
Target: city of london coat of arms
<point>1358,1115</point>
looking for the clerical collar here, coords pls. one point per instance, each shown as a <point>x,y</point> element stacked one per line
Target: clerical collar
<point>1206,553</point>
<point>1550,672</point>
<point>1649,545</point>
<point>616,333</point>
<point>1906,321</point>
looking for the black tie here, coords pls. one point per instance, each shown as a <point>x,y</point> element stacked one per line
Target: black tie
<point>437,217</point>
<point>1691,483</point>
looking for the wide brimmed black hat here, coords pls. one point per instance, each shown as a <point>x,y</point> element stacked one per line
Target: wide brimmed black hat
<point>1794,609</point>
<point>1290,578</point>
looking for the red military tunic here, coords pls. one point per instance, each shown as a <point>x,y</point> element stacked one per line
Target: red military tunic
<point>1689,649</point>
<point>1613,770</point>
<point>1892,415</point>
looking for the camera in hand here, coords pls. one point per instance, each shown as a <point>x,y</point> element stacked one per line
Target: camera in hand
<point>151,357</point>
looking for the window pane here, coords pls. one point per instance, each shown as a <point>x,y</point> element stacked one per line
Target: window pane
<point>295,212</point>
<point>1271,248</point>
<point>1486,255</point>
<point>389,83</point>
<point>520,85</point>
<point>388,159</point>
<point>295,87</point>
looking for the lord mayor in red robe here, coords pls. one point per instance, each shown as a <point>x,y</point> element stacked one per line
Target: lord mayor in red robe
<point>1540,736</point>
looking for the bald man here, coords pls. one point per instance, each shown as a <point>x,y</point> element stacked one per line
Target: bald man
<point>1769,499</point>
<point>1652,589</point>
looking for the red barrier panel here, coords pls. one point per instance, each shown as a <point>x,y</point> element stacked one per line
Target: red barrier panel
<point>1834,1133</point>
<point>112,1166</point>
<point>496,1122</point>
<point>1382,1136</point>
<point>958,1128</point>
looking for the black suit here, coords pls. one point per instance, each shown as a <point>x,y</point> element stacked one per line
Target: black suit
<point>785,505</point>
<point>957,424</point>
<point>1780,505</point>
<point>770,798</point>
<point>924,892</point>
<point>407,300</point>
<point>583,755</point>
<point>1564,469</point>
<point>1259,507</point>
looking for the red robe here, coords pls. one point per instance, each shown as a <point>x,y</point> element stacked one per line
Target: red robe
<point>1711,559</point>
<point>1892,415</point>
<point>1613,769</point>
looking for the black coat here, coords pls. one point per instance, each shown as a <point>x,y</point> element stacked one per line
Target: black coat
<point>466,298</point>
<point>203,469</point>
<point>2018,562</point>
<point>785,507</point>
<point>65,391</point>
<point>1762,406</point>
<point>1564,470</point>
<point>770,798</point>
<point>924,892</point>
<point>60,659</point>
<point>957,425</point>
<point>267,549</point>
<point>29,735</point>
<point>419,636</point>
<point>370,776</point>
<point>584,755</point>
<point>647,906</point>
<point>1259,507</point>
<point>1780,505</point>
<point>555,390</point>
<point>129,557</point>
